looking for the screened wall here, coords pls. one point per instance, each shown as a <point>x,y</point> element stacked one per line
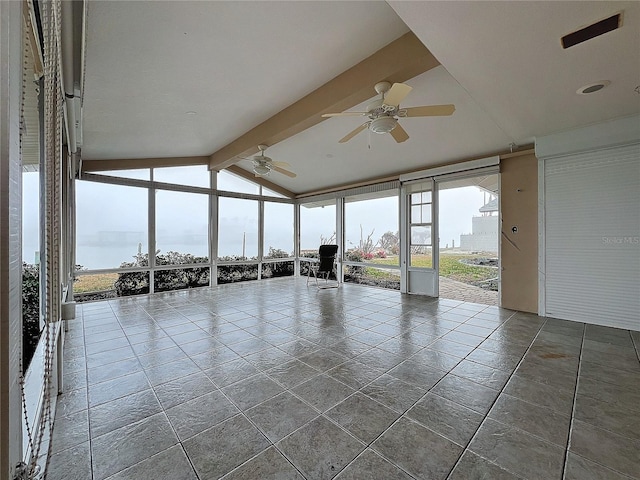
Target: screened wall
<point>159,229</point>
<point>238,231</point>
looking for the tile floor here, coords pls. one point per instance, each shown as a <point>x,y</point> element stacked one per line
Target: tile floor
<point>274,380</point>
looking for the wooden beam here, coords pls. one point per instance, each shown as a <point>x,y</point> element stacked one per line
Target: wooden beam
<point>241,172</point>
<point>399,61</point>
<point>133,163</point>
<point>526,150</point>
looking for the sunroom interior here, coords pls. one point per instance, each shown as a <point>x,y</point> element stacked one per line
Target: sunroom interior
<point>164,260</point>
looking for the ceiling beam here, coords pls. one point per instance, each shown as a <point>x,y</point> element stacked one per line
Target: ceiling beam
<point>260,181</point>
<point>134,163</point>
<point>399,61</point>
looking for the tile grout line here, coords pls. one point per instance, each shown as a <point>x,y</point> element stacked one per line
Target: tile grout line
<point>86,370</point>
<point>240,412</point>
<point>475,434</point>
<point>636,345</point>
<point>325,372</point>
<point>403,414</point>
<point>573,405</point>
<point>322,414</point>
<point>163,411</point>
<point>180,442</point>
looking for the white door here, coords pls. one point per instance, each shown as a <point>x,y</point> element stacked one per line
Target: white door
<point>419,257</point>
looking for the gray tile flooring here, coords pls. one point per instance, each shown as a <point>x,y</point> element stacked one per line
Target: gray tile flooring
<point>276,380</point>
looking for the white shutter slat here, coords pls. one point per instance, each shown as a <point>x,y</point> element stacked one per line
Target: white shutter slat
<point>592,237</point>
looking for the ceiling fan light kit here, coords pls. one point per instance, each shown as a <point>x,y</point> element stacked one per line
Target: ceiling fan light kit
<point>261,170</point>
<point>383,112</point>
<point>263,165</point>
<point>383,124</point>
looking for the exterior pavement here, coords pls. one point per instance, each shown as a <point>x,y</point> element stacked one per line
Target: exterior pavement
<point>453,290</point>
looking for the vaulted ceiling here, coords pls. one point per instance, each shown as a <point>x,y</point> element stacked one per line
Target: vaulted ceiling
<point>215,79</point>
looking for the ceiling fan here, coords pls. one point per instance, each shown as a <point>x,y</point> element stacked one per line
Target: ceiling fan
<point>383,112</point>
<point>263,165</point>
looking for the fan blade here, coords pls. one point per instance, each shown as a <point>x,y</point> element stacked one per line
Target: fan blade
<point>399,134</point>
<point>344,114</point>
<point>283,171</point>
<point>396,94</point>
<point>281,164</point>
<point>353,133</point>
<point>430,111</point>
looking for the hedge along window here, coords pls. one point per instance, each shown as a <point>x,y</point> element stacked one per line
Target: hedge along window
<point>237,229</point>
<point>182,227</point>
<point>371,228</point>
<point>317,226</point>
<point>111,225</point>
<point>278,230</point>
<point>229,182</point>
<point>180,278</point>
<point>194,175</point>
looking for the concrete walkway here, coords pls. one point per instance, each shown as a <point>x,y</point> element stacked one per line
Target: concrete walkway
<point>453,290</point>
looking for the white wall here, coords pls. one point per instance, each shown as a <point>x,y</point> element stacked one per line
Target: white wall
<point>484,236</point>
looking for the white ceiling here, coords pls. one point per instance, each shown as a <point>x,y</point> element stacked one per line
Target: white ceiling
<point>238,63</point>
<point>233,63</point>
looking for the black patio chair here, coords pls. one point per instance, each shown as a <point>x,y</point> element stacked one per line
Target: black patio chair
<point>325,267</point>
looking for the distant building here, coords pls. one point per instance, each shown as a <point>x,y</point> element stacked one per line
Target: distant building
<point>484,230</point>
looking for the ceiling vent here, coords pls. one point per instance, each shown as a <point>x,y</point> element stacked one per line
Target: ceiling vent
<point>593,87</point>
<point>587,33</point>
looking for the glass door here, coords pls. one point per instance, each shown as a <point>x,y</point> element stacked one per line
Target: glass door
<point>420,257</point>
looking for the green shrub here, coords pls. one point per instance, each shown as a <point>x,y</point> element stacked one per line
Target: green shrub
<point>277,269</point>
<point>136,283</point>
<point>133,283</point>
<point>237,273</point>
<point>30,311</point>
<point>354,255</point>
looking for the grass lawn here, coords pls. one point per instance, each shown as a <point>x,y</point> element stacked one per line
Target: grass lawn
<point>94,283</point>
<point>450,267</point>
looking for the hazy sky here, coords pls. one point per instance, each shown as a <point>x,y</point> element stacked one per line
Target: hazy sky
<point>181,220</point>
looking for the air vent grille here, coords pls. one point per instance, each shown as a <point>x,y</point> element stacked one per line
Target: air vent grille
<point>587,33</point>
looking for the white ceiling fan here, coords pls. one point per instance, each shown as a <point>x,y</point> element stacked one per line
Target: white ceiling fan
<point>263,165</point>
<point>383,112</point>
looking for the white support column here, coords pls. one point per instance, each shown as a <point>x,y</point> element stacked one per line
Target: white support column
<point>296,238</point>
<point>260,237</point>
<point>10,236</point>
<point>151,225</point>
<point>403,240</point>
<point>542,267</point>
<point>340,237</point>
<point>435,236</point>
<point>213,230</point>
